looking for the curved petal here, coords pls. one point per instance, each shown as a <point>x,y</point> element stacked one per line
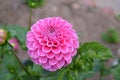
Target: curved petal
<point>61,63</point>
<point>52,61</point>
<point>30,46</point>
<point>76,44</point>
<point>46,49</point>
<point>71,49</point>
<point>59,56</point>
<point>36,44</point>
<point>41,53</point>
<point>50,55</point>
<point>43,59</point>
<point>30,36</point>
<point>33,54</point>
<point>67,56</point>
<point>56,50</point>
<point>64,49</point>
<point>43,42</point>
<point>46,65</point>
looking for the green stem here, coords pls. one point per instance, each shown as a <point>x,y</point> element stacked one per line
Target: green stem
<point>101,75</point>
<point>30,19</point>
<point>22,66</point>
<point>1,53</point>
<point>76,75</point>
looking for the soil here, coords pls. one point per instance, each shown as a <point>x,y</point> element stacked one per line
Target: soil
<point>88,21</point>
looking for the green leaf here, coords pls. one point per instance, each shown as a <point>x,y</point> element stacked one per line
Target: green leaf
<point>85,75</point>
<point>18,32</point>
<point>16,77</point>
<point>4,73</point>
<point>97,65</point>
<point>87,54</point>
<point>11,63</point>
<point>35,71</point>
<point>95,49</point>
<point>116,72</point>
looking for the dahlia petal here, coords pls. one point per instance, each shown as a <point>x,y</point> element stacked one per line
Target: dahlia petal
<point>43,42</point>
<point>55,21</point>
<point>36,44</point>
<point>36,61</point>
<point>46,49</point>
<point>64,49</point>
<point>30,36</point>
<point>52,61</point>
<point>43,59</point>
<point>56,50</point>
<point>50,55</point>
<point>30,46</point>
<point>33,28</point>
<point>76,44</point>
<point>72,34</point>
<point>74,53</point>
<point>60,63</point>
<point>62,23</point>
<point>59,56</point>
<point>71,49</point>
<point>69,61</point>
<point>58,22</point>
<point>69,42</point>
<point>56,43</point>
<point>51,22</point>
<point>55,66</point>
<point>60,38</point>
<point>38,35</point>
<point>62,42</point>
<point>41,53</point>
<point>46,65</point>
<point>49,43</point>
<point>47,22</point>
<point>40,26</point>
<point>67,56</point>
<point>33,54</point>
<point>75,35</point>
<point>52,69</point>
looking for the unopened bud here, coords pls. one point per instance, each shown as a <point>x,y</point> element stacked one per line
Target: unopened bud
<point>3,36</point>
<point>14,43</point>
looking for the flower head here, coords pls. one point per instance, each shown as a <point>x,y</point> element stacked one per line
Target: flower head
<point>3,36</point>
<point>14,43</point>
<point>52,43</point>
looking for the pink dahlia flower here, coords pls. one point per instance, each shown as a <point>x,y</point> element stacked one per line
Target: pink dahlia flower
<point>52,43</point>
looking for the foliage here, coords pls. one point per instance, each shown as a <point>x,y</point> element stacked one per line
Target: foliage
<point>115,70</point>
<point>89,61</point>
<point>17,32</point>
<point>111,36</point>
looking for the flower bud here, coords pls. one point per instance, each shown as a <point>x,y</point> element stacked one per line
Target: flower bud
<point>14,43</point>
<point>3,36</point>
